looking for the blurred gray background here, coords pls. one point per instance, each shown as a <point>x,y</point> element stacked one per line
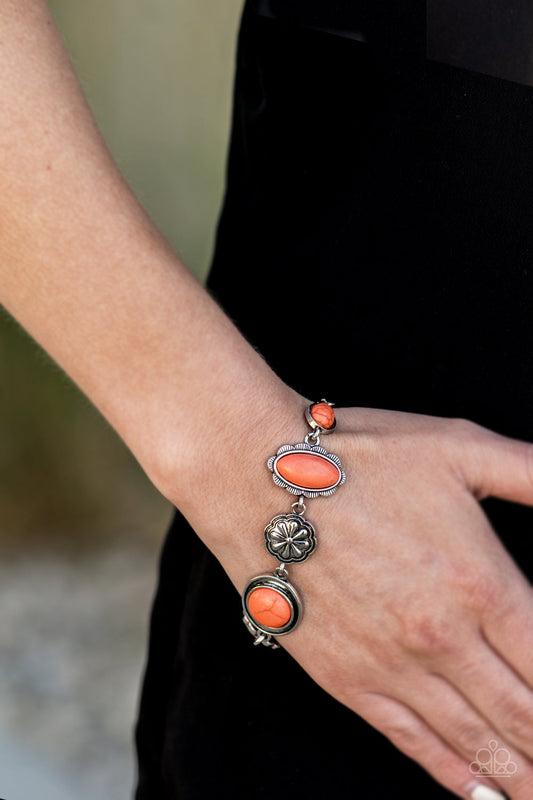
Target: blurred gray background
<point>80,525</point>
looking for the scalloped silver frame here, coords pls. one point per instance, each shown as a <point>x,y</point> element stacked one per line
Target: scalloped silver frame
<point>294,488</point>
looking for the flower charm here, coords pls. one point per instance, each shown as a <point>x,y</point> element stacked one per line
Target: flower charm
<point>290,538</point>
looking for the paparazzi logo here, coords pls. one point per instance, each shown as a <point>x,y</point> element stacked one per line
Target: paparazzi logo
<point>493,761</point>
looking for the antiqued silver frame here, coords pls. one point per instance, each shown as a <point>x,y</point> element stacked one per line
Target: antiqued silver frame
<point>293,488</point>
<point>314,424</point>
<point>286,590</point>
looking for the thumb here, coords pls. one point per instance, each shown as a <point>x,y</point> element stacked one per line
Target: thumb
<point>496,466</point>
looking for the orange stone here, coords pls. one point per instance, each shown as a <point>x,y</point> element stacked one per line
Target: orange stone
<point>269,607</point>
<point>323,415</point>
<point>308,470</point>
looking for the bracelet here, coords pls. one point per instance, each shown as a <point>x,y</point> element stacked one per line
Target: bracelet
<point>271,605</point>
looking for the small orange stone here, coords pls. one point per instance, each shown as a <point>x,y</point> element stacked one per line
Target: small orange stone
<point>308,470</point>
<point>269,607</point>
<point>323,415</point>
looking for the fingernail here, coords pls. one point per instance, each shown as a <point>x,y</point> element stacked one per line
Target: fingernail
<point>480,791</point>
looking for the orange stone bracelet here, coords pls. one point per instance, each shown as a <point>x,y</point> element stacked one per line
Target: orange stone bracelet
<point>271,605</point>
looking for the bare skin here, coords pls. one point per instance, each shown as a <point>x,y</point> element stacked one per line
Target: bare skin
<point>433,644</point>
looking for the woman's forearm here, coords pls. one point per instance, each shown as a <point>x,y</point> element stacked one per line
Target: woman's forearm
<point>86,272</point>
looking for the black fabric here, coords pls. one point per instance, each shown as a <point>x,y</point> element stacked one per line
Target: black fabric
<point>490,36</point>
<point>393,193</point>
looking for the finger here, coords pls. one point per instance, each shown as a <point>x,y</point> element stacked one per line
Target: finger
<point>454,719</point>
<point>507,626</point>
<point>495,690</point>
<point>494,465</point>
<point>410,734</point>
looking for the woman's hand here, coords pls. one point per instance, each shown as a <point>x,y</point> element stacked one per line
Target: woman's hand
<point>415,616</point>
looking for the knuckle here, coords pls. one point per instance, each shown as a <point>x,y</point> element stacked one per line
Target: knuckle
<point>428,634</point>
<point>481,591</point>
<point>405,735</point>
<point>469,734</point>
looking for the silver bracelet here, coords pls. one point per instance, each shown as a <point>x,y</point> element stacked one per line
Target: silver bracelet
<point>271,605</point>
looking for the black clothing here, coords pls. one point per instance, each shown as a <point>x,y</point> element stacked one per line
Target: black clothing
<point>393,192</point>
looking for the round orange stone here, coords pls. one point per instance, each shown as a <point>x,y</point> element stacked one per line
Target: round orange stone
<point>269,608</point>
<point>323,415</point>
<point>308,470</point>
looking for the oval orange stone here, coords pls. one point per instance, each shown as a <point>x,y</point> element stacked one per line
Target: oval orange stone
<point>323,415</point>
<point>308,470</point>
<point>269,607</point>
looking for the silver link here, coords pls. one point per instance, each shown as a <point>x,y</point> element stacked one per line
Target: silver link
<point>299,506</point>
<point>313,438</point>
<point>281,572</point>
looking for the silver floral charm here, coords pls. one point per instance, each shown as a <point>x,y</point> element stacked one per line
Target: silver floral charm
<point>290,538</point>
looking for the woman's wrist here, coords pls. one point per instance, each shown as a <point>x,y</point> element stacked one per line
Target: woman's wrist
<point>220,479</point>
<point>226,452</point>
